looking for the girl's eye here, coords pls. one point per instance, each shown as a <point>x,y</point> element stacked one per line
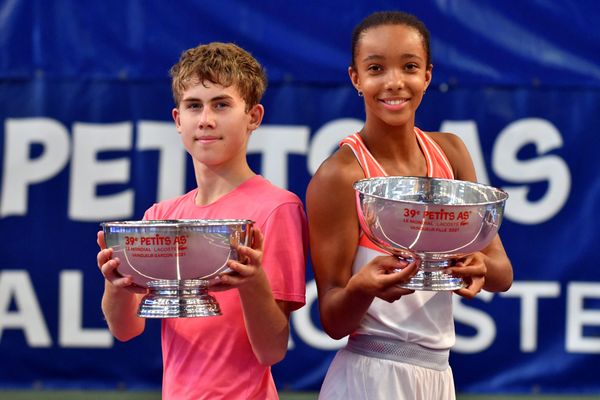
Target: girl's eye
<point>374,68</point>
<point>412,67</point>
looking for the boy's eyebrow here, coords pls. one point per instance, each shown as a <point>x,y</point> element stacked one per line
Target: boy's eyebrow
<point>221,97</point>
<point>216,98</point>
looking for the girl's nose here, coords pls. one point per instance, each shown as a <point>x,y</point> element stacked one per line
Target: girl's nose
<point>395,80</point>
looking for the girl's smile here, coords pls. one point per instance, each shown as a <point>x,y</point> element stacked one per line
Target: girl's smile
<point>394,104</point>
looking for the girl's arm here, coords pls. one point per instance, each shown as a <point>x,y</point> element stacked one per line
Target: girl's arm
<point>490,269</point>
<point>334,232</point>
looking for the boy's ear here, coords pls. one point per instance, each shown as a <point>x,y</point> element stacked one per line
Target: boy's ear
<point>175,115</point>
<point>256,115</point>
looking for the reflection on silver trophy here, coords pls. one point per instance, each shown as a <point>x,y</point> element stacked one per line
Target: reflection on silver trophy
<point>435,220</point>
<point>175,259</point>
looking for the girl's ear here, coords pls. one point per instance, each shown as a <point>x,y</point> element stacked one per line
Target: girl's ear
<point>354,79</point>
<point>428,76</point>
<point>256,115</point>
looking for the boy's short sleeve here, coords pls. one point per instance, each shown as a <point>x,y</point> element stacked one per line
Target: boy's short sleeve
<point>151,213</point>
<point>285,247</point>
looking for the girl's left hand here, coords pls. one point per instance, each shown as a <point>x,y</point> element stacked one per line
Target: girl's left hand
<point>472,270</point>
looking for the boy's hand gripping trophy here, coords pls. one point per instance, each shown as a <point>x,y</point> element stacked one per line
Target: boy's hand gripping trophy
<point>175,259</point>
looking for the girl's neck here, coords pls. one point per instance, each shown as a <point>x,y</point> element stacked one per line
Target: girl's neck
<point>390,141</point>
<point>395,147</point>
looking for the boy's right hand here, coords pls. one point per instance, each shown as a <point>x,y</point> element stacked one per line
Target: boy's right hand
<point>109,268</point>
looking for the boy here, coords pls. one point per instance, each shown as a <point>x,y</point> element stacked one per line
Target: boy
<point>217,89</point>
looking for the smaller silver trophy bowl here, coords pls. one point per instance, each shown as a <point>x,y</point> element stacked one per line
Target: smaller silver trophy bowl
<point>175,260</point>
<point>435,220</point>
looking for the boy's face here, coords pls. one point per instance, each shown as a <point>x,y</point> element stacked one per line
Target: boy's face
<point>214,124</point>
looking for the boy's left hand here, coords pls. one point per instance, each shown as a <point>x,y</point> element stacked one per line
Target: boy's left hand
<point>246,269</point>
<point>472,270</point>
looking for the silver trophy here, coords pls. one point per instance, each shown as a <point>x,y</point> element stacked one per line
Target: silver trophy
<point>175,259</point>
<point>435,220</point>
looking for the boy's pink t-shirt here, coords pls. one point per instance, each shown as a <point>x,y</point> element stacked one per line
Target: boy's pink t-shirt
<point>211,357</point>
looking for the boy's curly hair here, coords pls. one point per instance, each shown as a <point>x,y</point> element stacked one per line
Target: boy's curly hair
<point>220,63</point>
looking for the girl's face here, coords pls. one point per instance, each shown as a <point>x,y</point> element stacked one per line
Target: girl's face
<point>391,71</point>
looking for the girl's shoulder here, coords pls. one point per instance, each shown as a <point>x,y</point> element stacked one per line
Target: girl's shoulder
<point>340,167</point>
<point>451,144</point>
<point>457,153</point>
<point>447,140</point>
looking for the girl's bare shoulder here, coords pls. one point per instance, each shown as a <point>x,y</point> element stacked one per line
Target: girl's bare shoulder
<point>457,153</point>
<point>448,141</point>
<point>339,169</point>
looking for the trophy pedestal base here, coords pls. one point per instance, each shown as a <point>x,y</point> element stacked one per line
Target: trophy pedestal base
<point>433,281</point>
<point>178,299</point>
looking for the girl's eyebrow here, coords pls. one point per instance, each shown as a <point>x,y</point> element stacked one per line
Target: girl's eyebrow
<point>411,55</point>
<point>375,57</point>
<point>372,57</point>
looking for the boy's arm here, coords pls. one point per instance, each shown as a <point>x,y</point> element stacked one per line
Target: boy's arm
<point>120,311</point>
<point>119,301</point>
<point>266,320</point>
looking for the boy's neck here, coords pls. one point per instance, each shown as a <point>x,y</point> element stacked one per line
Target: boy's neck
<point>215,183</point>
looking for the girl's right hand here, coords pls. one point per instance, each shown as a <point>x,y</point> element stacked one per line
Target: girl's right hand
<point>381,276</point>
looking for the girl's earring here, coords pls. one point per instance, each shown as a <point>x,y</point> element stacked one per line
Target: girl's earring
<point>360,94</point>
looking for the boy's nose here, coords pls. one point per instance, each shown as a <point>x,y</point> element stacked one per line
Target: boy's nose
<point>206,119</point>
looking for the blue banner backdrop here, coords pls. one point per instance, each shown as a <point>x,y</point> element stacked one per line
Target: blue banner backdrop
<point>87,137</point>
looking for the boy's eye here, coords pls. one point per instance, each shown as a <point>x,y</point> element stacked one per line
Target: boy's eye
<point>221,105</point>
<point>193,105</point>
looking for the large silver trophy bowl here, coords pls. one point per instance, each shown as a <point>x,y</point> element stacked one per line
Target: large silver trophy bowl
<point>175,260</point>
<point>435,220</point>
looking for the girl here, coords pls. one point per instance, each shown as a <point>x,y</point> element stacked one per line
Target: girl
<point>399,340</point>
